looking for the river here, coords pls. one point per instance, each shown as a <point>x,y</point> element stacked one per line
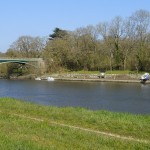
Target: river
<point>118,97</point>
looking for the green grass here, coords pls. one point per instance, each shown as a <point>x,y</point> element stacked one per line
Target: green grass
<point>83,72</point>
<point>107,72</point>
<point>124,72</point>
<point>18,131</point>
<point>119,72</point>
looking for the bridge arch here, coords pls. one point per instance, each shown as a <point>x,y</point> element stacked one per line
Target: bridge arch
<point>37,63</point>
<point>18,62</point>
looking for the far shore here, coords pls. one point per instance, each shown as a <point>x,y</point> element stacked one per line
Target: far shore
<point>124,78</point>
<point>120,78</point>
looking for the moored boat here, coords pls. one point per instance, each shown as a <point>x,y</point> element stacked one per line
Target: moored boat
<point>38,78</point>
<point>50,79</point>
<point>145,77</point>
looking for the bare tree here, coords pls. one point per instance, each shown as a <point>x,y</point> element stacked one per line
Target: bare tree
<point>117,35</point>
<point>28,46</point>
<point>141,27</point>
<point>106,43</point>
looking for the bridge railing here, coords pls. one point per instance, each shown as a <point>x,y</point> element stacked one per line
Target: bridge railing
<point>21,59</point>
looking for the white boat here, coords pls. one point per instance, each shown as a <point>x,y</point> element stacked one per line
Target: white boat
<point>145,77</point>
<point>38,78</point>
<point>50,79</point>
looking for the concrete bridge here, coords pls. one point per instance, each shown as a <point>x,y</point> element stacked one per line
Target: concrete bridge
<point>35,62</point>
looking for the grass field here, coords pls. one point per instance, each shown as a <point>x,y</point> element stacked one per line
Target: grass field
<point>26,126</point>
<point>119,72</point>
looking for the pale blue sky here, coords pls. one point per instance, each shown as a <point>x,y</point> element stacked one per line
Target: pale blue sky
<point>40,17</point>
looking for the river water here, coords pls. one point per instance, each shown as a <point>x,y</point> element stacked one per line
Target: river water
<point>118,97</point>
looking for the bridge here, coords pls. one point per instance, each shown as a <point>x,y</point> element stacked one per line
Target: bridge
<point>35,62</point>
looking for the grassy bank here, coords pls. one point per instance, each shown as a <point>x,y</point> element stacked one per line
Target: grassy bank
<point>107,72</point>
<point>28,126</point>
<point>117,72</point>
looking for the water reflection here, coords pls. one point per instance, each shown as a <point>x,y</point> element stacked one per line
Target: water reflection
<point>126,97</point>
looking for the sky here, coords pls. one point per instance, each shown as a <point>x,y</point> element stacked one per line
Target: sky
<point>41,17</point>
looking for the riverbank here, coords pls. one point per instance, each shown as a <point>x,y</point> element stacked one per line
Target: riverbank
<point>122,78</point>
<point>29,126</point>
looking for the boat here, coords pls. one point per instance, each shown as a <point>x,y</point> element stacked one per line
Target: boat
<point>50,79</point>
<point>145,77</point>
<point>38,78</point>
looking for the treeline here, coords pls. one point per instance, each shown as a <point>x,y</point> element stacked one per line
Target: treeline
<point>121,44</point>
